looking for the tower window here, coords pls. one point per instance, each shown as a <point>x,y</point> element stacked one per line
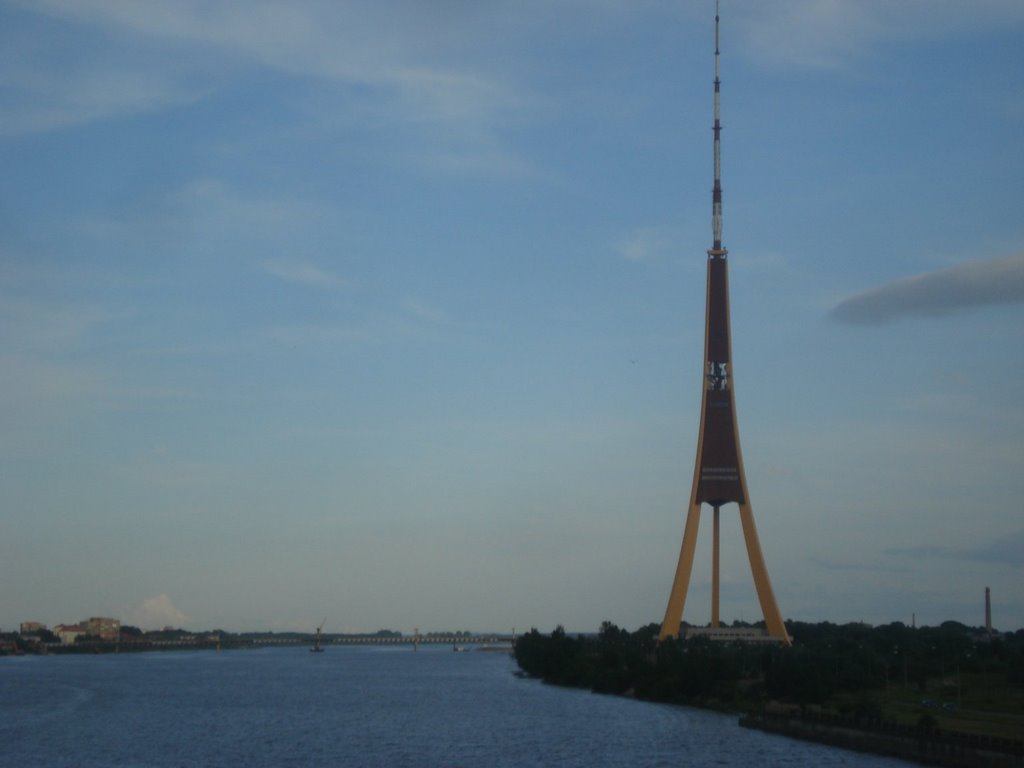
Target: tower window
<point>717,376</point>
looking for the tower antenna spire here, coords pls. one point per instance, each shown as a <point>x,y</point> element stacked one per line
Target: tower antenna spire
<point>716,193</point>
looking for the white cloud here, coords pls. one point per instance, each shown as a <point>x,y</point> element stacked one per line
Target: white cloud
<point>156,612</point>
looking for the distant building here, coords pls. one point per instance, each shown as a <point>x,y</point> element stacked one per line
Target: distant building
<point>68,633</point>
<point>103,628</point>
<point>31,627</point>
<point>732,634</point>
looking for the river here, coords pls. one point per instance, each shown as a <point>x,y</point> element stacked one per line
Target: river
<point>353,706</point>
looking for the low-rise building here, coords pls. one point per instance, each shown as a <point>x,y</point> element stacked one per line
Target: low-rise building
<point>732,634</point>
<point>103,628</point>
<point>31,627</point>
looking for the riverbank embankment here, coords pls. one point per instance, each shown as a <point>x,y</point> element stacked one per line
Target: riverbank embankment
<point>882,737</point>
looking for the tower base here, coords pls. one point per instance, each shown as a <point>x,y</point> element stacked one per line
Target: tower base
<point>748,635</point>
<point>670,626</point>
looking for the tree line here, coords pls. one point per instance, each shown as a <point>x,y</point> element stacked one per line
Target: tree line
<point>825,661</point>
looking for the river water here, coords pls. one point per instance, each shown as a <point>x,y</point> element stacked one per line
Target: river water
<point>353,706</point>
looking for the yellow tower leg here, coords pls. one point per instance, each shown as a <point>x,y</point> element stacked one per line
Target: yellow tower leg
<point>763,585</point>
<point>681,582</point>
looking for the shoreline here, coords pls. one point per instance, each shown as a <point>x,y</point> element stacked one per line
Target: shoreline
<point>950,749</point>
<point>934,747</point>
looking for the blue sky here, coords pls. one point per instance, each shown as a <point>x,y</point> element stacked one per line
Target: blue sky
<point>393,312</point>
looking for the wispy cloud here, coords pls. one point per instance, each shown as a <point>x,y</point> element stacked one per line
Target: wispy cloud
<point>309,334</point>
<point>835,34</point>
<point>215,201</point>
<point>46,102</point>
<point>1005,550</point>
<point>26,379</point>
<point>38,324</point>
<point>304,273</point>
<point>47,361</point>
<point>405,65</point>
<point>206,208</point>
<point>843,565</point>
<point>425,312</point>
<point>810,33</point>
<point>644,244</point>
<point>931,294</point>
<point>53,80</point>
<point>412,319</point>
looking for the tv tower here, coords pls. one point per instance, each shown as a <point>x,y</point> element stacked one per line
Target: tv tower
<point>718,476</point>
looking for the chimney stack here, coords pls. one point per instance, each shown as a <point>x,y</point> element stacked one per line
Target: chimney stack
<point>988,612</point>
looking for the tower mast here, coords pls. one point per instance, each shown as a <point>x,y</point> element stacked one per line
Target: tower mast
<point>718,476</point>
<point>716,192</point>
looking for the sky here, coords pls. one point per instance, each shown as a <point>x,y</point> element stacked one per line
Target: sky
<point>392,312</point>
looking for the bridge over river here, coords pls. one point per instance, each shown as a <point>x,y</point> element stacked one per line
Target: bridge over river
<point>501,642</point>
